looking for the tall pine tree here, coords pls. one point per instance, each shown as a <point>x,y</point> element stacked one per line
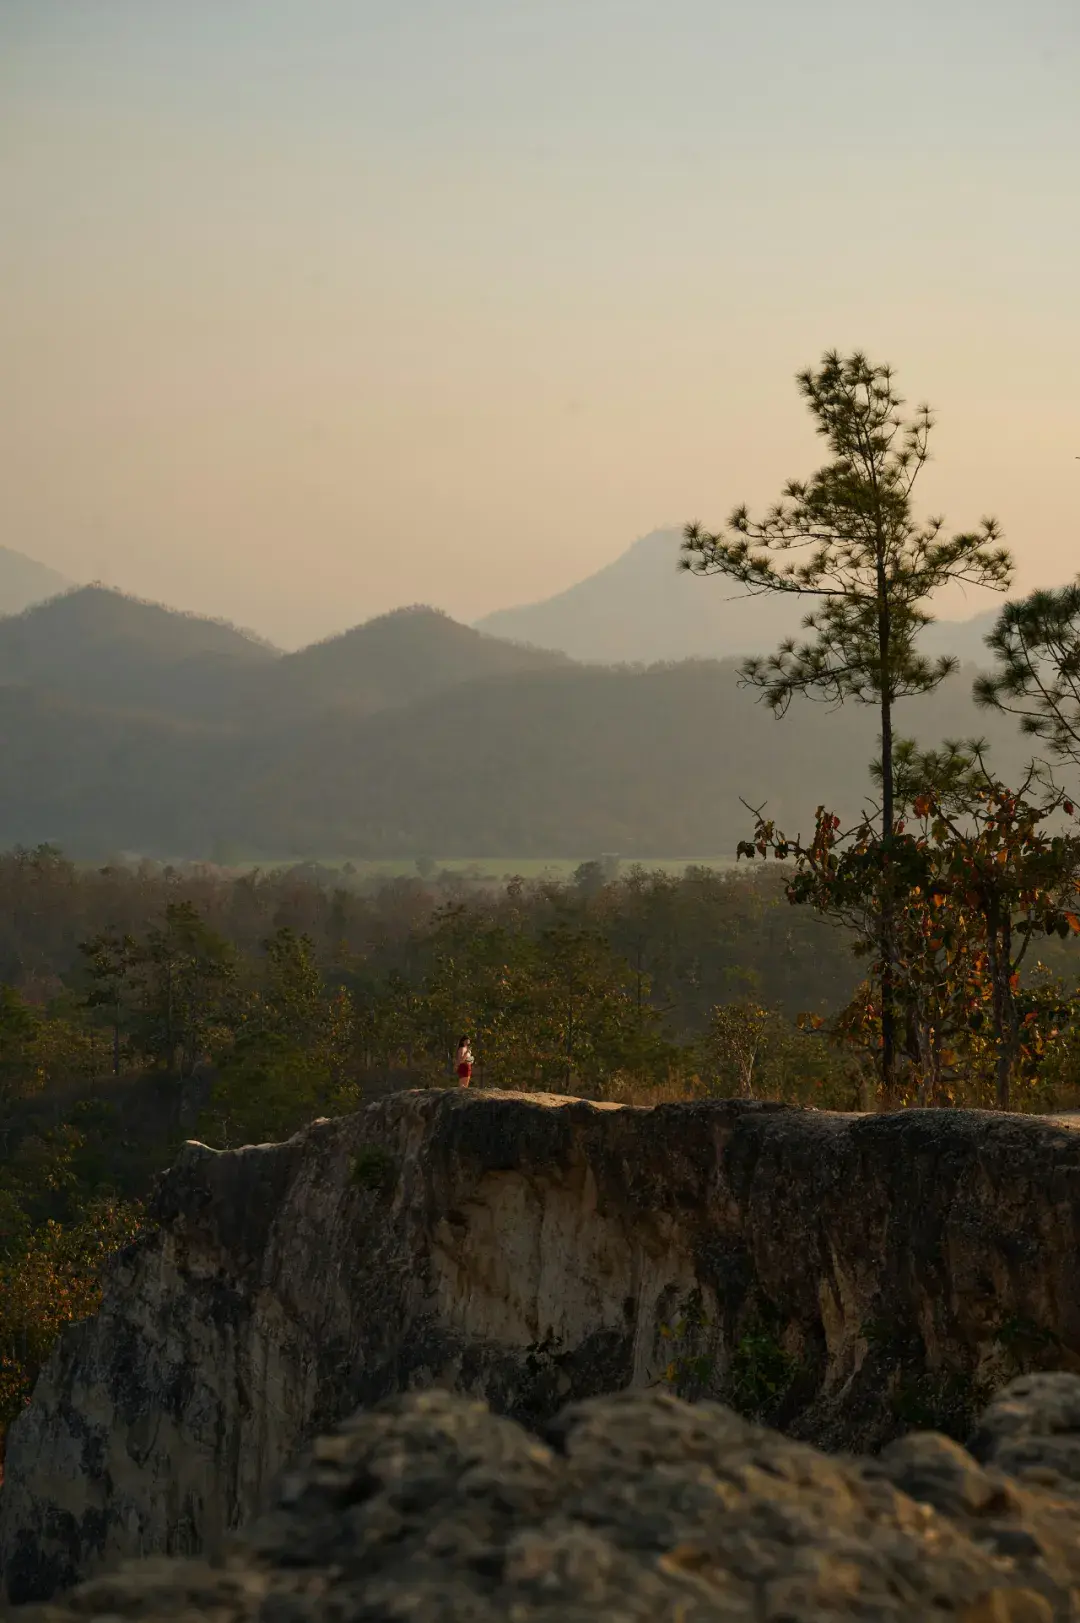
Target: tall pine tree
<point>848,538</point>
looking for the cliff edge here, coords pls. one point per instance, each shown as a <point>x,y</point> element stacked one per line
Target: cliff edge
<point>846,1278</point>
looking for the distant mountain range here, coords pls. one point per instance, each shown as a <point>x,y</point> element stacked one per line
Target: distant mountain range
<point>642,608</point>
<point>125,725</point>
<point>23,581</point>
<point>102,647</point>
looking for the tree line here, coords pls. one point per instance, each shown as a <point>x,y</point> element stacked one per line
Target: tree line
<point>128,971</point>
<point>145,1005</point>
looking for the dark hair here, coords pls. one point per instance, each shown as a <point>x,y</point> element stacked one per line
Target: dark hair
<point>463,1042</point>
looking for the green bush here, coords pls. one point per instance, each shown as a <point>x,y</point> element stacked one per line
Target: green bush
<point>375,1169</point>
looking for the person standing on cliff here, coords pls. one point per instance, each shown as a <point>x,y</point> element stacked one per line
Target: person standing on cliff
<point>463,1062</point>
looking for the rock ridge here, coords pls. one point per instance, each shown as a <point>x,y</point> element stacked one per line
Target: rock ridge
<point>845,1278</point>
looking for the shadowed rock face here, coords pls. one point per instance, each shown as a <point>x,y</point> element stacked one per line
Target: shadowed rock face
<point>642,1509</point>
<point>847,1278</point>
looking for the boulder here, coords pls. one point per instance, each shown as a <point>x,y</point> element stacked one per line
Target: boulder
<point>637,1508</point>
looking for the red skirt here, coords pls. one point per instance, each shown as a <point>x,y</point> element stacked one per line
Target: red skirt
<point>464,1071</point>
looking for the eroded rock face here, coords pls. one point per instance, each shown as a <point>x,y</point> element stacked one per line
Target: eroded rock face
<point>640,1509</point>
<point>850,1278</point>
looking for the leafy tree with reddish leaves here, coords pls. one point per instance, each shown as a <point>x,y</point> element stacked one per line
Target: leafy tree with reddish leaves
<point>969,879</point>
<point>50,1278</point>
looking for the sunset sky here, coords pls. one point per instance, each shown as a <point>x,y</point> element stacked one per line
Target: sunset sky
<point>311,308</point>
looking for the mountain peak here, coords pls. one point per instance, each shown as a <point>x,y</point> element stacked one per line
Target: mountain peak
<point>642,609</point>
<point>405,655</point>
<point>92,613</point>
<point>103,647</point>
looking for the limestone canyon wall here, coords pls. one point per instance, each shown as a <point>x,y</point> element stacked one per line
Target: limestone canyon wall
<point>847,1278</point>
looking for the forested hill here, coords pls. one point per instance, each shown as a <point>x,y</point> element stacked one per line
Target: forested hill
<point>125,727</point>
<point>95,645</point>
<point>392,660</point>
<point>101,646</point>
<point>641,762</point>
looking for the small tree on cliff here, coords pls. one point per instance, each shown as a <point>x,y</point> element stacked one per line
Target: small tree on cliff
<point>737,1037</point>
<point>848,538</point>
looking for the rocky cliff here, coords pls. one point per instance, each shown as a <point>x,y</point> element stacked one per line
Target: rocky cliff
<point>846,1278</point>
<point>641,1509</point>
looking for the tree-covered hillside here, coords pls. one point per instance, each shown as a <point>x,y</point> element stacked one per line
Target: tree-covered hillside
<point>103,647</point>
<point>560,763</point>
<point>126,727</point>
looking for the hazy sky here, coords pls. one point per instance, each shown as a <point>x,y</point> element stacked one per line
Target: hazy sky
<point>315,307</point>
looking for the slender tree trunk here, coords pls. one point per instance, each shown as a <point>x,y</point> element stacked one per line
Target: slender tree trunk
<point>888,823</point>
<point>1002,1066</point>
<point>170,1041</point>
<point>929,1052</point>
<point>1004,1009</point>
<point>1001,1080</point>
<point>748,1074</point>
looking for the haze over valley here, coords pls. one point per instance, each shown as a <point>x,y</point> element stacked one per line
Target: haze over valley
<point>128,726</point>
<point>316,314</point>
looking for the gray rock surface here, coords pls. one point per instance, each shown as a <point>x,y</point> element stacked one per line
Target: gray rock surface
<point>847,1279</point>
<point>637,1508</point>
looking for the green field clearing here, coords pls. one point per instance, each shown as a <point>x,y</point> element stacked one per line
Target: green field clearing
<point>494,868</point>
